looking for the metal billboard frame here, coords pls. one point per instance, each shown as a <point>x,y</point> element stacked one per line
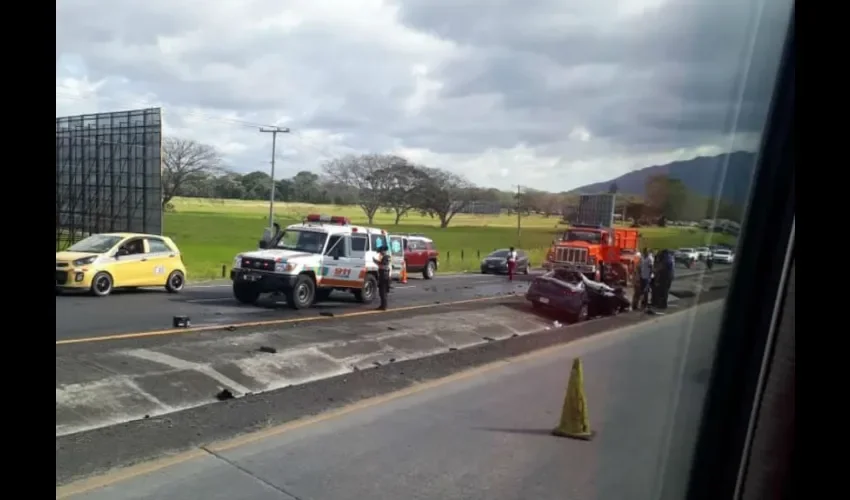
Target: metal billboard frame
<point>596,209</point>
<point>108,174</point>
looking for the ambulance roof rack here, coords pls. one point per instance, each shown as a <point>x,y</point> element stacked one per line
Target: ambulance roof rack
<point>415,235</point>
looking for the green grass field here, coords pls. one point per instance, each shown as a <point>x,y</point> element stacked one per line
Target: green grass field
<point>211,232</point>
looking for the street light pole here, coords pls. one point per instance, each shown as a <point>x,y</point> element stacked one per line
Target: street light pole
<point>273,131</point>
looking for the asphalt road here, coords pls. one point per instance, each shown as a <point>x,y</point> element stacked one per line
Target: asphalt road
<point>82,316</point>
<point>483,434</point>
<point>79,316</point>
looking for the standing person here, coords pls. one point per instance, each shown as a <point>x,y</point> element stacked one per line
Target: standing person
<point>512,256</point>
<point>670,262</point>
<point>647,265</point>
<point>384,262</point>
<point>662,280</point>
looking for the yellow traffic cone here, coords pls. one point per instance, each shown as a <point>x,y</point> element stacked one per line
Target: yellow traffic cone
<point>575,422</point>
<point>403,272</point>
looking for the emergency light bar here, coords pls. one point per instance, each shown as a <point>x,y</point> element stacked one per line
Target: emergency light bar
<point>328,219</point>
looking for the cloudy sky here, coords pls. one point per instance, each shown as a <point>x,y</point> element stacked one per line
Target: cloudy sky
<point>553,94</point>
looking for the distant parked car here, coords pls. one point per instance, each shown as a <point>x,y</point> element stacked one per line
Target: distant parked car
<point>497,262</point>
<point>723,256</point>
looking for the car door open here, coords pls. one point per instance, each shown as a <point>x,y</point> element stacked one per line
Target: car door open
<point>397,254</point>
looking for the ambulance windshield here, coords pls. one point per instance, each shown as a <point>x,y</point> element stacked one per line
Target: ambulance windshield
<point>302,241</point>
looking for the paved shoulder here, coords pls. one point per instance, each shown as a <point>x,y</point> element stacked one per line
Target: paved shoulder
<point>483,434</point>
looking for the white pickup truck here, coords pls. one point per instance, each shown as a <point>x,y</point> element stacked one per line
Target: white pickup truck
<point>687,256</point>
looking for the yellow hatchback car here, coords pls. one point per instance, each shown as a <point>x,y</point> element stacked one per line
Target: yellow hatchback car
<point>103,262</point>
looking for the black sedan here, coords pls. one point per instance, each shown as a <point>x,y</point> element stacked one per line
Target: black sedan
<point>574,295</point>
<point>560,291</point>
<point>497,262</point>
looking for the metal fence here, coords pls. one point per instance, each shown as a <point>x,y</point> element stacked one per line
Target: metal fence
<point>108,174</point>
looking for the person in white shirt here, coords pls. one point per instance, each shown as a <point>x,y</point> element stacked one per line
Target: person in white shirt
<point>512,257</point>
<point>647,265</point>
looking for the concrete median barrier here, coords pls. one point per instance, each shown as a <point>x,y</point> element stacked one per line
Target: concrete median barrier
<point>128,382</point>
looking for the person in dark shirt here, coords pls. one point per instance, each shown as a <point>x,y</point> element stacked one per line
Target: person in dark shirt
<point>384,262</point>
<point>664,277</point>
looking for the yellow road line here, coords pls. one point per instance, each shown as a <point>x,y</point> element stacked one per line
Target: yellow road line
<point>271,322</point>
<point>124,474</point>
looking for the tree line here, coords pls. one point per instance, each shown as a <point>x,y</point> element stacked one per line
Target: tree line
<point>391,183</point>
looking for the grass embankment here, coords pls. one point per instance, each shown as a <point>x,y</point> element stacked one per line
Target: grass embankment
<point>211,232</point>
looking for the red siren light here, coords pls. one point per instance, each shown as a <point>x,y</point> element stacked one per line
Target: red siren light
<point>328,219</point>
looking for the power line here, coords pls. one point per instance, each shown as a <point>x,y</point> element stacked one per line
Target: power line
<point>273,131</point>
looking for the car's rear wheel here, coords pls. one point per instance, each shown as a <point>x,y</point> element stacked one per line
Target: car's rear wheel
<point>366,294</point>
<point>246,293</point>
<point>176,281</point>
<point>428,272</point>
<point>581,315</point>
<point>101,284</point>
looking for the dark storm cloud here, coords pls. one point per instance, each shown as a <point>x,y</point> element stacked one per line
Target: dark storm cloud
<point>680,68</point>
<point>493,75</point>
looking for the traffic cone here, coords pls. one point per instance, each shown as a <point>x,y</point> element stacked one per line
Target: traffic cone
<point>403,273</point>
<point>575,422</point>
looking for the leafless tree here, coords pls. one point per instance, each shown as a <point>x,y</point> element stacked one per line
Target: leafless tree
<point>443,194</point>
<point>370,174</point>
<point>185,161</point>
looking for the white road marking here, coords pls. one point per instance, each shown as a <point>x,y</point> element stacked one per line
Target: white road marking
<point>182,364</point>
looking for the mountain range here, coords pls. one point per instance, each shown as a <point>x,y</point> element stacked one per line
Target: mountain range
<point>700,175</point>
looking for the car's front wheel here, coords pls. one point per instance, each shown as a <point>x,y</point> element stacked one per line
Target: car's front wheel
<point>303,293</point>
<point>101,284</point>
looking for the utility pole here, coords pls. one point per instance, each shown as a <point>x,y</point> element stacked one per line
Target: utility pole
<point>273,131</point>
<point>518,214</point>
